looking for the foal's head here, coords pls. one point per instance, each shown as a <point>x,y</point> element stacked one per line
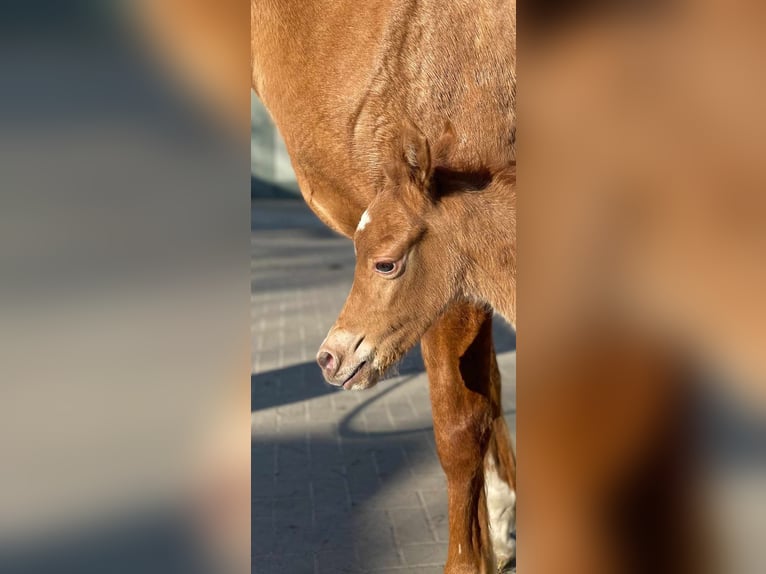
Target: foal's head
<point>404,275</point>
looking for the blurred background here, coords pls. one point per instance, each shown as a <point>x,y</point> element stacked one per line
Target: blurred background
<point>124,274</point>
<point>642,226</point>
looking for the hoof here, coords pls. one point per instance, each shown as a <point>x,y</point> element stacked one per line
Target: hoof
<point>508,568</point>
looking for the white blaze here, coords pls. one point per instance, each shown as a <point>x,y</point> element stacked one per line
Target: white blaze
<point>363,221</point>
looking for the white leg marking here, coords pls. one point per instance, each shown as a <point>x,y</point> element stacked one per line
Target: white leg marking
<point>501,510</point>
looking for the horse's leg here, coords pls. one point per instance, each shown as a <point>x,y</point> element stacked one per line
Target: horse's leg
<point>464,383</point>
<point>500,489</point>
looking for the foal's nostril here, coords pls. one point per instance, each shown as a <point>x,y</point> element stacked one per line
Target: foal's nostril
<point>326,360</point>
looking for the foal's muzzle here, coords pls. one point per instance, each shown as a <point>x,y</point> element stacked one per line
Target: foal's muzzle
<point>345,360</point>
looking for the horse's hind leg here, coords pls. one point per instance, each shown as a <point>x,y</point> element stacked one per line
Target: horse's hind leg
<point>464,383</point>
<point>500,480</point>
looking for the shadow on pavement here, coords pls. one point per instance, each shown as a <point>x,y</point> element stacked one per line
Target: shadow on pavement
<point>303,381</point>
<point>345,508</point>
<point>358,491</point>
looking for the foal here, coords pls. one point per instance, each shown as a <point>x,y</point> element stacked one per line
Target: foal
<point>433,235</point>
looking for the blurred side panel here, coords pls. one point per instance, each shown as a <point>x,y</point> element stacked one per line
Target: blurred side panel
<point>642,318</point>
<point>124,287</point>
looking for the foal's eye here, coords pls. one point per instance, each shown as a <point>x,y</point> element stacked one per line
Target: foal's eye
<point>385,267</point>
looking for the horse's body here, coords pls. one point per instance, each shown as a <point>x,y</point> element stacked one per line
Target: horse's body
<point>337,77</point>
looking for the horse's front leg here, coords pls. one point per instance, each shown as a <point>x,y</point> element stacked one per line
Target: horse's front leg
<point>464,383</point>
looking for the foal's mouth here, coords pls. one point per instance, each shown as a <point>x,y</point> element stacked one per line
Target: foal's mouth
<point>354,377</point>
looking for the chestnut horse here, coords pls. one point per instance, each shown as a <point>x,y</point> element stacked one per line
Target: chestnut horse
<point>337,78</point>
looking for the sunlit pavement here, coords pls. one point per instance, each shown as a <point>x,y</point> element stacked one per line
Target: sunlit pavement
<point>342,482</point>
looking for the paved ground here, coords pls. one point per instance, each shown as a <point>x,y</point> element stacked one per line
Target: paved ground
<point>342,482</point>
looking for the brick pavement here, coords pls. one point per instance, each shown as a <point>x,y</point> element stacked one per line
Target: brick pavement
<point>342,482</point>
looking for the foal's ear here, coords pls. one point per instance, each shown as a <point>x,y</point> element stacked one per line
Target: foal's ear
<point>416,153</point>
<point>444,146</point>
<point>415,158</point>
